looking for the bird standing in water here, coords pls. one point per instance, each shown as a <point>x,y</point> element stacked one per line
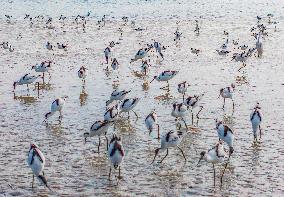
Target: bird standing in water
<point>115,154</point>
<point>214,155</point>
<point>151,121</point>
<point>227,93</point>
<point>36,162</point>
<point>225,134</point>
<point>171,139</point>
<point>256,119</point>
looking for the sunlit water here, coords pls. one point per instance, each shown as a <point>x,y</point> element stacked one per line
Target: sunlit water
<point>72,167</point>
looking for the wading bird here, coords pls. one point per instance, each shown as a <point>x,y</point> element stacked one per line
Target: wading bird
<point>214,156</point>
<point>227,93</point>
<point>115,154</point>
<point>36,162</point>
<point>171,139</point>
<point>151,120</point>
<point>99,128</point>
<point>56,105</point>
<point>165,76</point>
<point>256,119</point>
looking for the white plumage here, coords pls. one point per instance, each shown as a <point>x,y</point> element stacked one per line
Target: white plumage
<point>26,79</point>
<point>56,105</point>
<point>170,139</point>
<point>256,119</point>
<point>36,162</point>
<point>115,153</point>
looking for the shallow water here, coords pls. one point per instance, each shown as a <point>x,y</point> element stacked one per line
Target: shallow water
<point>72,168</point>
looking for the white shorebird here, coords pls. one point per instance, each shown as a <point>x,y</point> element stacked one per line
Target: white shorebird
<point>117,95</point>
<point>49,46</point>
<point>107,52</point>
<point>115,64</point>
<point>36,162</point>
<point>42,67</point>
<point>145,68</point>
<point>82,73</point>
<point>179,110</point>
<point>11,49</point>
<point>99,128</point>
<point>165,76</point>
<point>236,42</point>
<point>192,102</point>
<point>195,51</point>
<point>259,46</point>
<point>5,45</point>
<point>222,52</point>
<point>225,133</point>
<point>56,105</point>
<point>225,45</point>
<point>177,35</point>
<point>170,139</point>
<point>182,88</point>
<point>62,46</point>
<point>112,113</point>
<point>158,48</point>
<point>256,119</point>
<point>151,120</point>
<point>26,79</point>
<point>140,54</point>
<point>227,93</point>
<point>127,105</point>
<point>243,47</point>
<point>241,57</point>
<point>115,154</point>
<point>214,156</point>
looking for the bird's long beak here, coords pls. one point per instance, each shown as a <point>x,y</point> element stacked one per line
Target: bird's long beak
<point>199,160</point>
<point>156,153</point>
<point>152,80</point>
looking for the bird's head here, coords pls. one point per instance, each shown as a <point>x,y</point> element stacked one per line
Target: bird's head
<point>153,79</point>
<point>87,134</point>
<point>202,154</point>
<point>15,84</point>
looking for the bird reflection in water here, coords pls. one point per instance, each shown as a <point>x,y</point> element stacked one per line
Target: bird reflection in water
<point>26,99</point>
<point>83,96</point>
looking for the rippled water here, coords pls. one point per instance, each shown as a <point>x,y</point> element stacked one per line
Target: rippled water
<point>72,167</point>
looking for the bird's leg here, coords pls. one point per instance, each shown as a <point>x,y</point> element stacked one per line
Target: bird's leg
<point>185,124</point>
<point>28,87</point>
<point>43,173</point>
<point>135,114</point>
<point>128,115</point>
<point>183,97</point>
<point>182,153</point>
<point>109,173</point>
<point>99,145</point>
<point>43,77</point>
<point>214,174</point>
<point>197,115</point>
<point>233,105</point>
<point>165,156</point>
<point>33,181</point>
<point>168,85</point>
<point>259,131</point>
<point>60,115</point>
<point>107,142</point>
<point>158,131</point>
<point>192,117</point>
<point>224,103</point>
<point>225,168</point>
<point>119,176</point>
